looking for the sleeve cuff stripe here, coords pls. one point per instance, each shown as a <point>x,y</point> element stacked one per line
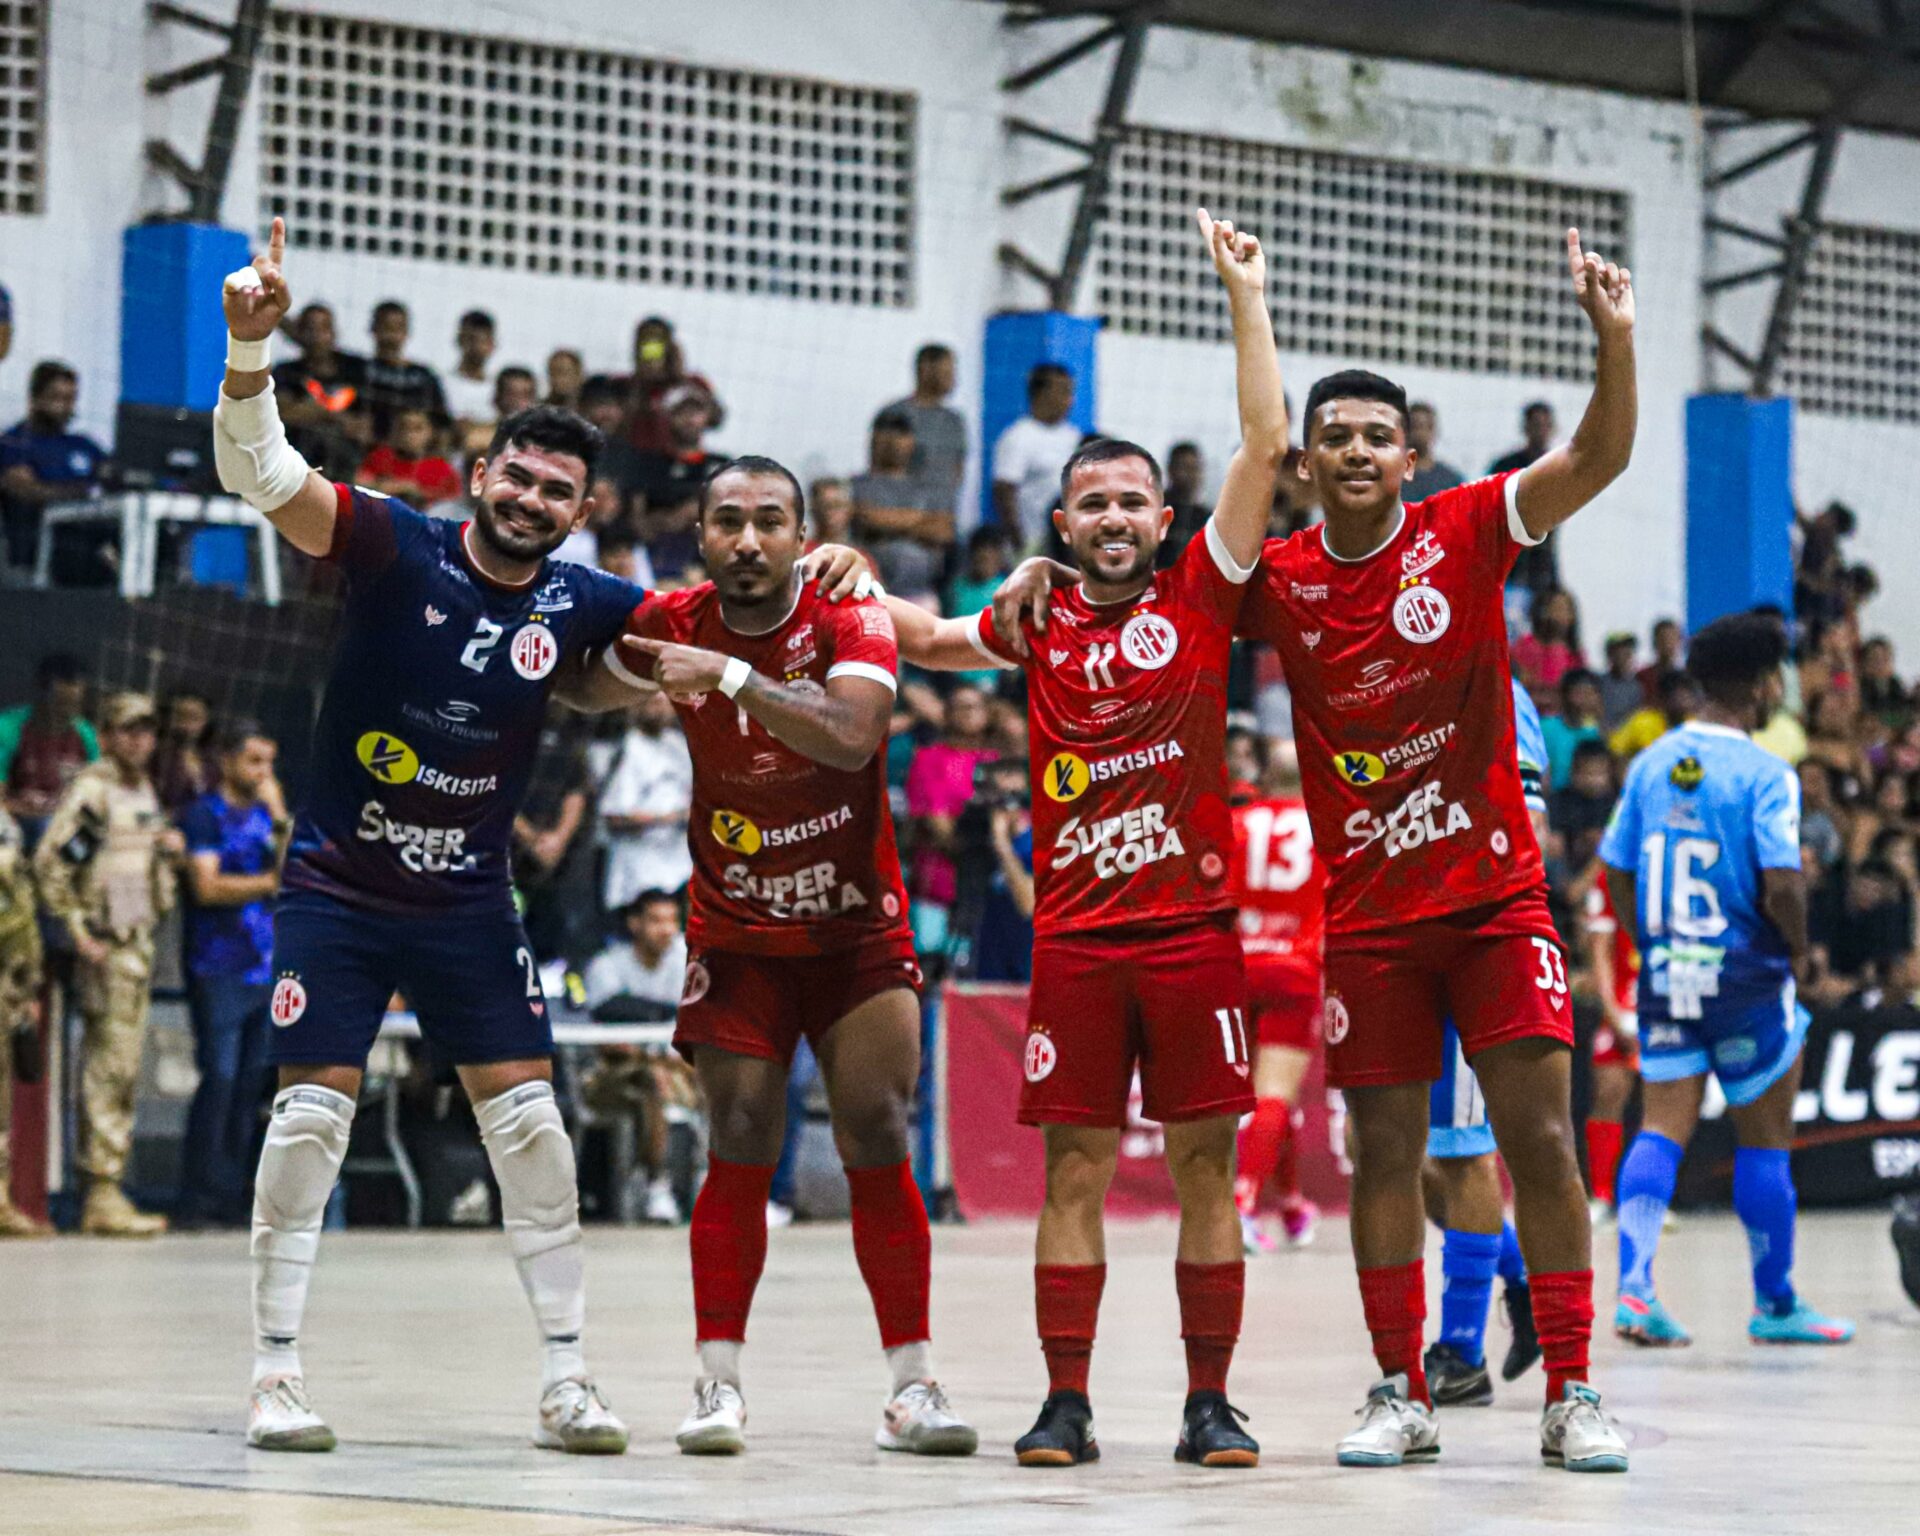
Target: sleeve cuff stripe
<point>620,670</point>
<point>1229,567</point>
<point>1516,527</point>
<point>980,645</point>
<point>864,669</point>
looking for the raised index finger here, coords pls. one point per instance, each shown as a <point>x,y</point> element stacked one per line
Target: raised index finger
<point>277,241</point>
<point>1575,259</point>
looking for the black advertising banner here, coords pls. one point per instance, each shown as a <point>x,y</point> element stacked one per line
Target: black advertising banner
<point>1856,1120</point>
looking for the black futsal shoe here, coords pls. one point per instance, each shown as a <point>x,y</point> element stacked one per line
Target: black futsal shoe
<point>1063,1434</point>
<point>1211,1436</point>
<point>1906,1243</point>
<point>1524,1352</point>
<point>1453,1381</point>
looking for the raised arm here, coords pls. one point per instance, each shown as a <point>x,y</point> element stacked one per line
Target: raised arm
<point>250,447</point>
<point>1562,481</point>
<point>940,645</point>
<point>1246,495</point>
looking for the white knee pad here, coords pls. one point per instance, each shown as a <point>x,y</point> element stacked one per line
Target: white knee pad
<point>306,1144</point>
<point>527,1143</point>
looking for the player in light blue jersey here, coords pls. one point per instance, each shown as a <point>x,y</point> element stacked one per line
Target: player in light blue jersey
<point>1704,850</point>
<point>1461,1180</point>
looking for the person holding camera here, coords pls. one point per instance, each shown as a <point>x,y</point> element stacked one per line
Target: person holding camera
<point>994,904</point>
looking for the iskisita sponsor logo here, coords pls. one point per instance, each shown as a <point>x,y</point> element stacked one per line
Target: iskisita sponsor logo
<point>742,834</point>
<point>1069,776</point>
<point>392,761</point>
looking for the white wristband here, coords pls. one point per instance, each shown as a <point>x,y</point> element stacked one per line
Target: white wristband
<point>733,677</point>
<point>249,356</point>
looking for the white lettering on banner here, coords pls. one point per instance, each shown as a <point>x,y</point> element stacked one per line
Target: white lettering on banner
<point>424,850</point>
<point>1120,845</point>
<point>1896,1077</point>
<point>1838,1102</point>
<point>815,891</point>
<point>1423,817</point>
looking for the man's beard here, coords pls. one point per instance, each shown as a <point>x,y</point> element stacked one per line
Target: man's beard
<point>513,545</point>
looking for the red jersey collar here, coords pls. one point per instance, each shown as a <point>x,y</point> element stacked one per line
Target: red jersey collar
<point>1385,544</point>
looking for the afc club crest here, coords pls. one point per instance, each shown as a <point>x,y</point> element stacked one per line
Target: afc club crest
<point>1149,641</point>
<point>698,980</point>
<point>1421,614</point>
<point>534,652</point>
<point>1337,1022</point>
<point>1499,842</point>
<point>289,1001</point>
<point>1041,1057</point>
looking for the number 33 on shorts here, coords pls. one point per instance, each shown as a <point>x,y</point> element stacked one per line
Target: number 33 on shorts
<point>1552,976</point>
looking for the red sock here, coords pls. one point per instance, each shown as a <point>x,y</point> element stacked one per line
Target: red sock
<point>728,1238</point>
<point>1211,1297</point>
<point>1603,1155</point>
<point>1394,1298</point>
<point>1066,1299</point>
<point>894,1249</point>
<point>1563,1317</point>
<point>1262,1140</point>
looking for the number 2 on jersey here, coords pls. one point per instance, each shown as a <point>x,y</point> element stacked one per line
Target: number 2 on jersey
<point>486,635</point>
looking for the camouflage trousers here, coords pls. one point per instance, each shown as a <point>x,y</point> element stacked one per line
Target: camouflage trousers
<point>11,1007</point>
<point>114,999</point>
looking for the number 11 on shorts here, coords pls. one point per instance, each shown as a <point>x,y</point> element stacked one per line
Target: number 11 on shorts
<point>1233,1035</point>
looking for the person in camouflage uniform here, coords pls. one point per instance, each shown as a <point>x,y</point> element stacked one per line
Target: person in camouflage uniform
<point>19,984</point>
<point>106,871</point>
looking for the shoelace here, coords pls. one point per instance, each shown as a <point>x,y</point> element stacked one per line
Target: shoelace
<point>289,1393</point>
<point>580,1398</point>
<point>708,1397</point>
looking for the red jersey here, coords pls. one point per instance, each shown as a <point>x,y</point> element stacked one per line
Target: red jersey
<point>1127,721</point>
<point>790,856</point>
<point>1626,959</point>
<point>1402,707</point>
<point>1280,888</point>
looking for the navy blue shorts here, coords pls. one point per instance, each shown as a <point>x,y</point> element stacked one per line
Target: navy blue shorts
<point>471,980</point>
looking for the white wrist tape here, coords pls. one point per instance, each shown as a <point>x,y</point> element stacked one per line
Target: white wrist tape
<point>246,356</point>
<point>251,452</point>
<point>733,677</point>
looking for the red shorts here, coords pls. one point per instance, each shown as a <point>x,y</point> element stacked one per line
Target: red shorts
<point>1168,1000</point>
<point>760,1005</point>
<point>1285,1003</point>
<point>1497,971</point>
<point>1613,1049</point>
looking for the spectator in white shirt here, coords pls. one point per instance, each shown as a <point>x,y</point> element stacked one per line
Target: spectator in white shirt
<point>469,387</point>
<point>645,793</point>
<point>650,967</point>
<point>1028,457</point>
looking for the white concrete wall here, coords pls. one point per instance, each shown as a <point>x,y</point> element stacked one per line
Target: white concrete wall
<point>802,380</point>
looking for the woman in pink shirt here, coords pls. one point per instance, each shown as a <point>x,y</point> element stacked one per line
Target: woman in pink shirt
<point>939,785</point>
<point>1552,650</point>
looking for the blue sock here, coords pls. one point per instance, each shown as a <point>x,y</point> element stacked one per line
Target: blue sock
<point>1765,1202</point>
<point>1467,1263</point>
<point>1513,1268</point>
<point>1645,1190</point>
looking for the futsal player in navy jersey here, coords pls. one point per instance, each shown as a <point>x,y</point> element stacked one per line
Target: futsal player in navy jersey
<point>397,875</point>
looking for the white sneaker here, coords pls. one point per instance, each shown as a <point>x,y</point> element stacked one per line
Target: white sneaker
<point>661,1206</point>
<point>1393,1429</point>
<point>1576,1433</point>
<point>1598,1211</point>
<point>918,1418</point>
<point>575,1418</point>
<point>779,1215</point>
<point>716,1424</point>
<point>1254,1239</point>
<point>280,1417</point>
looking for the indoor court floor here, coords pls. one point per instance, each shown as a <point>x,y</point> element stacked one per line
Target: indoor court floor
<point>123,1372</point>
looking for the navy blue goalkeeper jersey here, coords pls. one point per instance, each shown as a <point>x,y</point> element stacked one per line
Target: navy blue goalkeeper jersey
<point>432,715</point>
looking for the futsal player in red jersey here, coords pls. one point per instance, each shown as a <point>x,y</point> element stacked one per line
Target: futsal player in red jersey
<point>1389,623</point>
<point>1280,886</point>
<point>1616,1043</point>
<point>1136,962</point>
<point>798,927</point>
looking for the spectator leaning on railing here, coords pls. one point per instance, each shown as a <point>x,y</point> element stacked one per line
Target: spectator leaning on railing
<point>42,461</point>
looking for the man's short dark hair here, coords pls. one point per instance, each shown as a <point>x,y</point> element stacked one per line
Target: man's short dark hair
<point>1675,681</point>
<point>554,428</point>
<point>389,307</point>
<point>984,535</point>
<point>1590,748</point>
<point>58,667</point>
<point>477,319</point>
<point>1844,521</point>
<point>600,388</point>
<point>1185,445</point>
<point>49,371</point>
<point>1733,654</point>
<point>891,420</point>
<point>1424,405</point>
<point>1355,384</point>
<point>1573,677</point>
<point>1534,406</point>
<point>1038,375</point>
<point>515,372</point>
<point>235,734</point>
<point>756,464</point>
<point>616,538</point>
<point>1105,450</point>
<point>933,351</point>
<point>650,896</point>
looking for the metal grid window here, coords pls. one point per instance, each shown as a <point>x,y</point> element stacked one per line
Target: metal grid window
<point>1854,347</point>
<point>23,104</point>
<point>478,151</point>
<point>1387,259</point>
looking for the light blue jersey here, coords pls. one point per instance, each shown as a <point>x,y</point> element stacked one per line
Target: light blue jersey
<point>1456,1111</point>
<point>1705,811</point>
